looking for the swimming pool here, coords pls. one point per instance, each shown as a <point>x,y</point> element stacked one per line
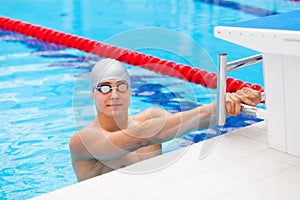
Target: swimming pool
<point>38,78</point>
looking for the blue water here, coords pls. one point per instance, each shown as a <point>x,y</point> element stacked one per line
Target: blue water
<point>44,89</point>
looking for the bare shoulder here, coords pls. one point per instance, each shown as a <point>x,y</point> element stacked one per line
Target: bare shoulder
<point>151,113</point>
<point>77,143</point>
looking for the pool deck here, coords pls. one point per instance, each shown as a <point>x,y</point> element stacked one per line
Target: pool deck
<point>240,166</point>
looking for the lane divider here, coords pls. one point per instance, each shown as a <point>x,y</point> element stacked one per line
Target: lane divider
<point>165,67</point>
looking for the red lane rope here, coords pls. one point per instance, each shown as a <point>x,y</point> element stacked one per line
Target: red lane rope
<point>195,75</point>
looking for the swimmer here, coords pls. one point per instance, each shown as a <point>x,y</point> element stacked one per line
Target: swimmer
<point>114,139</point>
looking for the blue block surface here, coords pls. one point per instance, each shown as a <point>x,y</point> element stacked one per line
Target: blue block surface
<point>286,21</point>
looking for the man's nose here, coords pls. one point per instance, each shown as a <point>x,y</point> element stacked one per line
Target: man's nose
<point>114,93</point>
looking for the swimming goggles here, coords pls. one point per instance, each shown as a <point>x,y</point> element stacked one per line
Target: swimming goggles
<point>105,88</point>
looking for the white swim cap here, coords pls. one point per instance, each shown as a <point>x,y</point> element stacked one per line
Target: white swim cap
<point>108,69</point>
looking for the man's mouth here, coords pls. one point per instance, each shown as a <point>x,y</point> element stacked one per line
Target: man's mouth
<point>114,105</point>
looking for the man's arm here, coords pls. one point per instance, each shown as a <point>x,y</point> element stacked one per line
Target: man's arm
<point>88,143</point>
<point>151,131</point>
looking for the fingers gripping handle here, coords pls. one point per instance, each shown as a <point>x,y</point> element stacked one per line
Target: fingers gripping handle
<point>221,98</point>
<point>253,111</point>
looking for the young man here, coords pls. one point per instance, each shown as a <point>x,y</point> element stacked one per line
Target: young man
<point>114,139</point>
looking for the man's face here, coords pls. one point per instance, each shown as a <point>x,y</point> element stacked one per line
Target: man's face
<point>112,97</point>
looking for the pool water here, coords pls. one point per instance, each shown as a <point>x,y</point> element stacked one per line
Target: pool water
<point>44,96</point>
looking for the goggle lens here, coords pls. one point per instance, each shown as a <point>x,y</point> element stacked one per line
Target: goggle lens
<point>122,87</point>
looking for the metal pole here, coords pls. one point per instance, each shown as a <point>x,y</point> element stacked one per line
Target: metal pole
<point>237,64</point>
<point>221,97</point>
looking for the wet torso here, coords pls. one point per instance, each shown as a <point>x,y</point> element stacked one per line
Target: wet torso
<point>91,167</point>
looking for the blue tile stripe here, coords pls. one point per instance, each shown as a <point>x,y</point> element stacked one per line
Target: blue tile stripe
<point>241,7</point>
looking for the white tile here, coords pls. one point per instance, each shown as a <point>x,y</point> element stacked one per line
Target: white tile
<point>195,150</point>
<point>275,187</point>
<point>77,191</point>
<point>49,196</point>
<point>190,165</point>
<point>266,188</point>
<point>236,195</point>
<point>171,167</point>
<point>244,171</point>
<point>109,188</point>
<point>179,171</point>
<point>210,184</point>
<point>145,197</point>
<point>223,153</point>
<point>250,193</point>
<point>291,174</point>
<point>263,163</point>
<point>255,133</point>
<point>239,141</point>
<point>279,156</point>
<point>135,182</point>
<point>173,192</point>
<point>260,125</point>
